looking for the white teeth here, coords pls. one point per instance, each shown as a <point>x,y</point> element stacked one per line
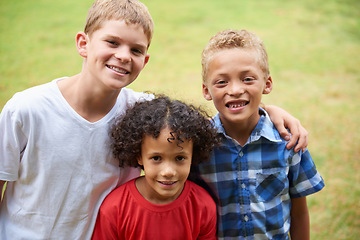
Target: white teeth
<point>118,69</point>
<point>237,105</point>
<point>167,183</point>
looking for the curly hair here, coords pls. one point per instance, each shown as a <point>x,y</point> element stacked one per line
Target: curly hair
<point>149,117</point>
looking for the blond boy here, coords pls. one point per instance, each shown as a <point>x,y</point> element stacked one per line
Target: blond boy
<point>54,138</point>
<point>262,186</point>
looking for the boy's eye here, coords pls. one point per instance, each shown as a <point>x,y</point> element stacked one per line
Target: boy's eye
<point>221,82</point>
<point>156,158</point>
<point>248,79</point>
<point>112,42</point>
<point>180,158</point>
<point>137,51</point>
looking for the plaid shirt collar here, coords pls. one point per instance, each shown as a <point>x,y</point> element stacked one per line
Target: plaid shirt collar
<point>264,128</point>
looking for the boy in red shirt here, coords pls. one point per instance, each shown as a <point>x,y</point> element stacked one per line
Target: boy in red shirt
<point>165,137</point>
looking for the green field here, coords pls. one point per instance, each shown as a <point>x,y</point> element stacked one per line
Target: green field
<point>314,54</point>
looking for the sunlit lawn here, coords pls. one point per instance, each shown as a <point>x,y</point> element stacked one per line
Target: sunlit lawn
<point>313,47</point>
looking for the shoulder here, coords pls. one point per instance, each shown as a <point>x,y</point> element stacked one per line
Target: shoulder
<point>117,198</point>
<point>217,123</point>
<point>128,97</point>
<point>268,142</point>
<point>203,207</point>
<point>132,96</point>
<point>34,94</point>
<point>200,196</point>
<point>120,190</point>
<point>196,188</point>
<point>266,129</point>
<point>31,99</point>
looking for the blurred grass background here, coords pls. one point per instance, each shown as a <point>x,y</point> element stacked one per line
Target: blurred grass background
<point>314,55</point>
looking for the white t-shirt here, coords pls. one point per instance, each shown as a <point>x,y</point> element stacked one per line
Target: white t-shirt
<point>58,165</point>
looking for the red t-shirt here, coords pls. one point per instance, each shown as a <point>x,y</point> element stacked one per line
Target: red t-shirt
<point>125,214</point>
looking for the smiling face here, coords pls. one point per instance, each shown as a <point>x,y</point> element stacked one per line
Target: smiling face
<point>166,167</point>
<point>235,83</point>
<point>114,54</point>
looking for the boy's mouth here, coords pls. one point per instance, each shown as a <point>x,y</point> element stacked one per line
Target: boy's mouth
<point>236,104</point>
<point>118,70</point>
<point>167,182</point>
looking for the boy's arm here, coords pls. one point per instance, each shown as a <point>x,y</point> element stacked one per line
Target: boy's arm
<point>283,120</point>
<point>105,227</point>
<point>300,222</point>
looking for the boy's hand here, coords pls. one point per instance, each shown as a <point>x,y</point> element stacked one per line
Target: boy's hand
<point>283,120</point>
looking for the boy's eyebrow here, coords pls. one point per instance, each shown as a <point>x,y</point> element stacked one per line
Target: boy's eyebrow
<point>244,72</point>
<point>140,45</point>
<point>154,153</point>
<point>220,74</point>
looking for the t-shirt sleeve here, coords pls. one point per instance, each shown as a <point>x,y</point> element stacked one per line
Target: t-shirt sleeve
<point>209,222</point>
<point>209,230</point>
<point>12,141</point>
<point>105,226</point>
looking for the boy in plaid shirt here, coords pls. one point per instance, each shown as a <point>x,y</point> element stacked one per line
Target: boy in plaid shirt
<point>262,185</point>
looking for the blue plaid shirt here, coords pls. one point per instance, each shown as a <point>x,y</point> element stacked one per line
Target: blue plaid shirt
<point>255,183</point>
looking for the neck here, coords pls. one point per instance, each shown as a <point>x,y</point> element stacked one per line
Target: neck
<point>241,130</point>
<point>88,101</point>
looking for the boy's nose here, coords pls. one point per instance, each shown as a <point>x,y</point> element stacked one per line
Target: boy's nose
<point>123,54</point>
<point>168,170</point>
<point>236,88</point>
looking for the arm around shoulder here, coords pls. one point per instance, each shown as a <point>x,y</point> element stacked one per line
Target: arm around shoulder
<point>282,120</point>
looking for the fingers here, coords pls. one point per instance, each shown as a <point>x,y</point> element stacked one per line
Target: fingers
<point>283,121</point>
<point>293,140</point>
<point>282,131</point>
<point>299,138</point>
<point>303,140</point>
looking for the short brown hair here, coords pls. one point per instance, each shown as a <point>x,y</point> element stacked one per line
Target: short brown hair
<point>131,11</point>
<point>229,39</point>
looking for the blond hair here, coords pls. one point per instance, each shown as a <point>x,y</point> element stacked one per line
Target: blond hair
<point>130,11</point>
<point>229,39</point>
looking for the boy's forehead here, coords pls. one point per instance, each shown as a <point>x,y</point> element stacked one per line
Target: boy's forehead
<point>223,54</point>
<point>118,28</point>
<point>122,22</point>
<point>168,138</point>
<point>235,50</point>
<point>230,60</point>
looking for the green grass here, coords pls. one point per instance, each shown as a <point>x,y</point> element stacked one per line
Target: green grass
<point>313,47</point>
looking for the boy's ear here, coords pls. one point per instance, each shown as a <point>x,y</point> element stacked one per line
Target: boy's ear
<point>81,40</point>
<point>139,160</point>
<point>147,57</point>
<point>206,92</point>
<point>268,85</point>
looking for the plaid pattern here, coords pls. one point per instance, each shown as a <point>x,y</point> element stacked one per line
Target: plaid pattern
<point>256,182</point>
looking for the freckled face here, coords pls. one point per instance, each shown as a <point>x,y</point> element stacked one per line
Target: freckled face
<point>166,167</point>
<point>235,83</point>
<point>115,54</point>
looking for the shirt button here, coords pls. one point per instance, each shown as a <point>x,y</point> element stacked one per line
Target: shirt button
<point>246,218</point>
<point>241,154</point>
<point>243,186</point>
